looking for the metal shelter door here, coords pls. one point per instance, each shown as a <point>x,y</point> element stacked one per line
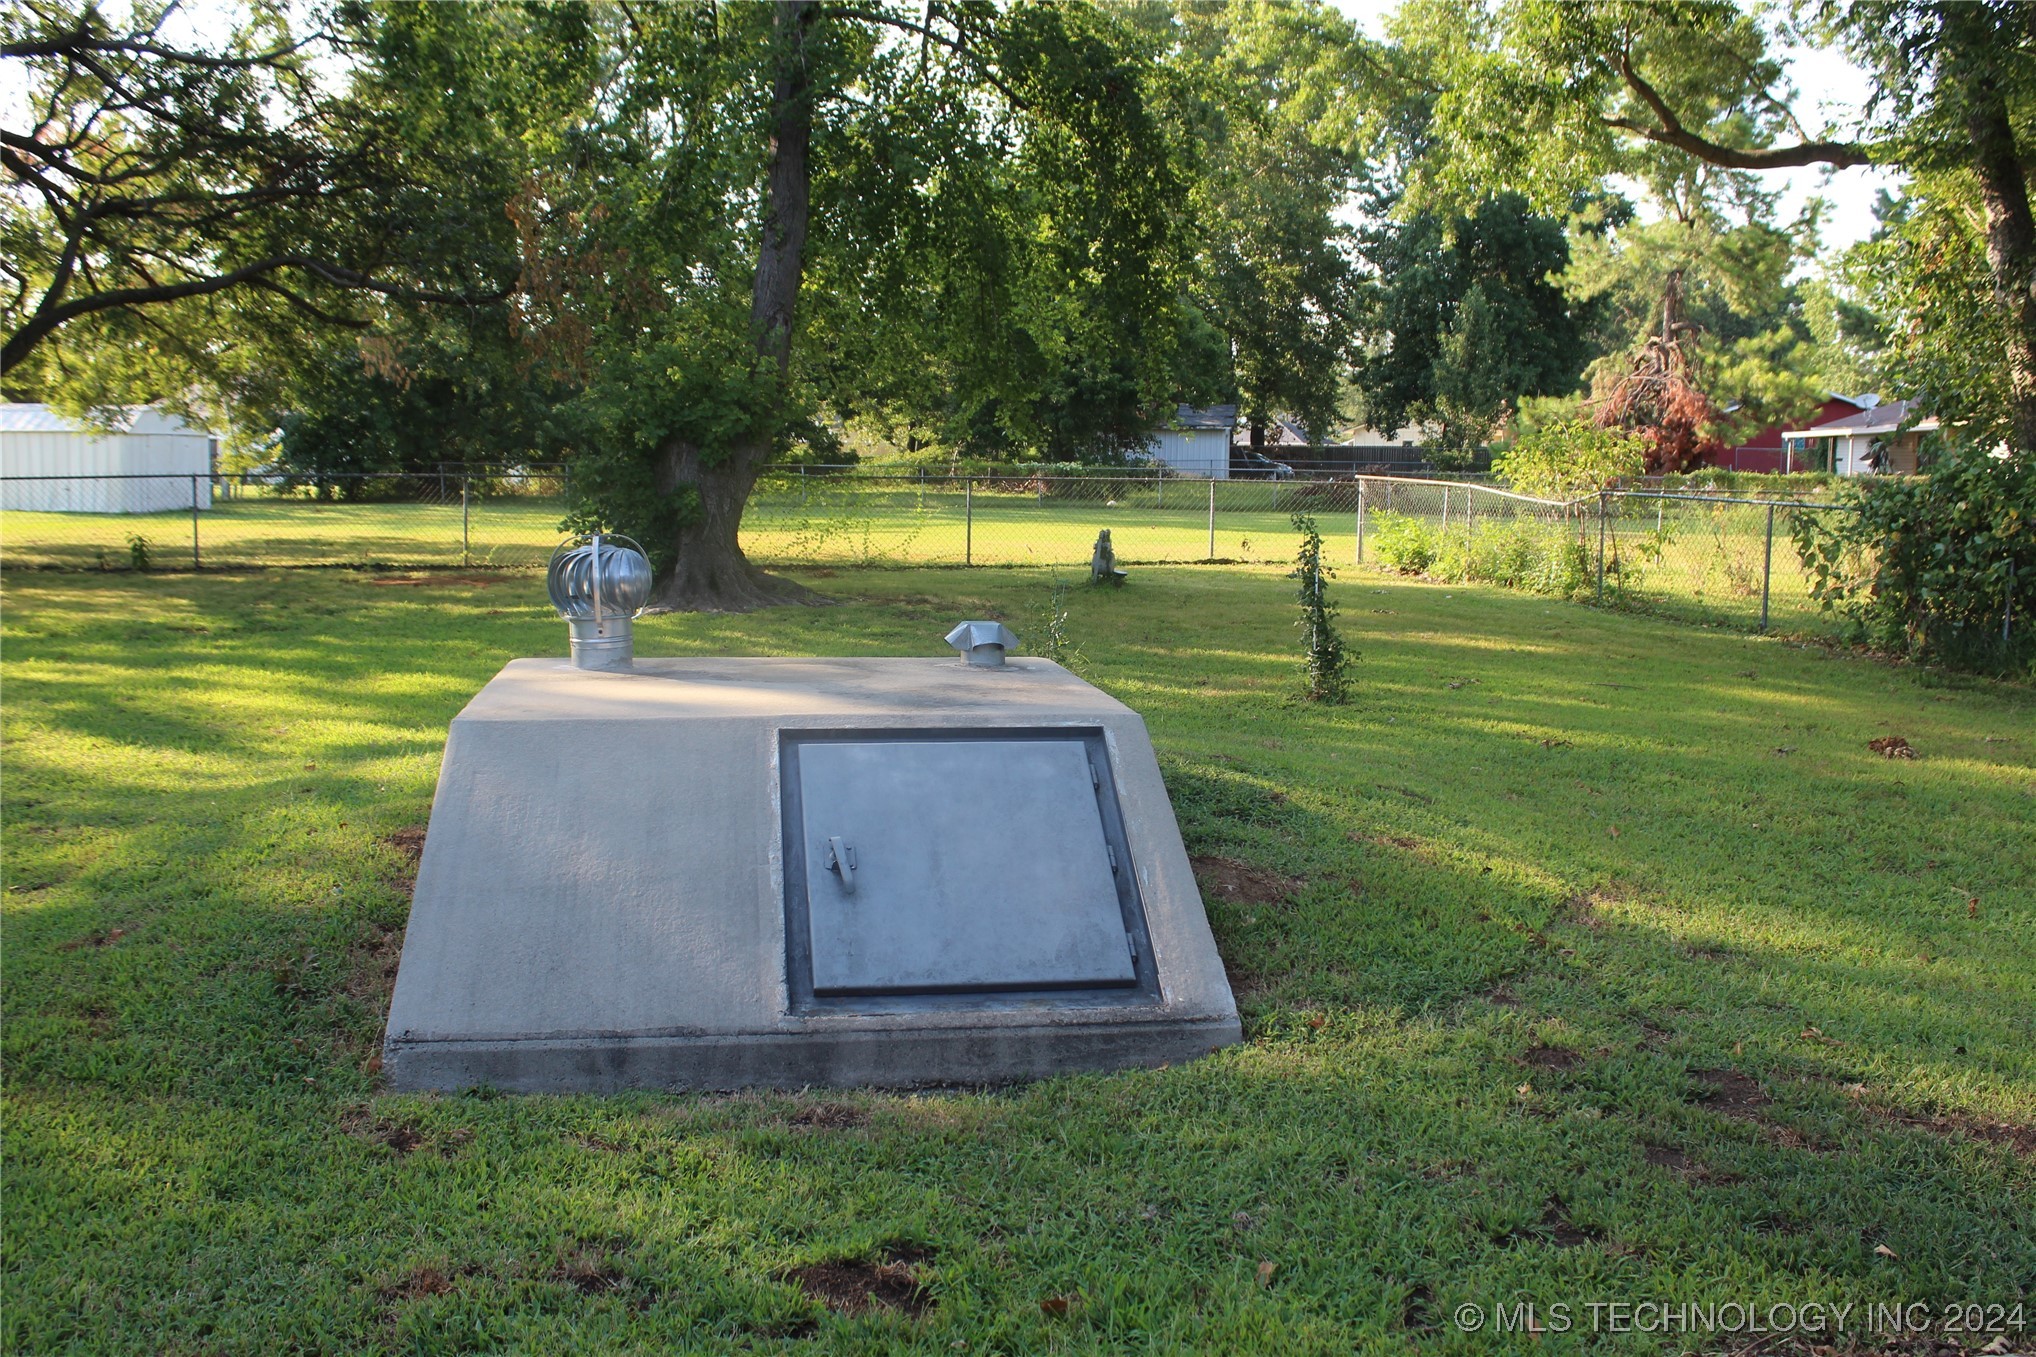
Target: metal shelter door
<point>960,864</point>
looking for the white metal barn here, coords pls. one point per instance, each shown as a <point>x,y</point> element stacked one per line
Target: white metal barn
<point>78,469</point>
<point>1198,443</point>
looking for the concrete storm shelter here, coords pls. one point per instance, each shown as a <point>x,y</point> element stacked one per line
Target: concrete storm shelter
<point>725,873</point>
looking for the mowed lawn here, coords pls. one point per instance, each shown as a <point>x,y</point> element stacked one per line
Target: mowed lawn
<point>1584,958</point>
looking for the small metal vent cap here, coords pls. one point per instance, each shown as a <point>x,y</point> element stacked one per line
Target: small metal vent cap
<point>599,584</point>
<point>600,575</point>
<point>982,643</point>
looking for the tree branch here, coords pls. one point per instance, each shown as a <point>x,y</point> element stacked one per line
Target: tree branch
<point>47,318</point>
<point>975,58</point>
<point>1671,132</point>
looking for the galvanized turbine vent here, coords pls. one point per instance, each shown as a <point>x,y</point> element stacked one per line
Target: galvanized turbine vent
<point>982,643</point>
<point>599,584</point>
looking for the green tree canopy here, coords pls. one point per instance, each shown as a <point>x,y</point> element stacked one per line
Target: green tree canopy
<point>1552,96</point>
<point>1466,318</point>
<point>320,172</point>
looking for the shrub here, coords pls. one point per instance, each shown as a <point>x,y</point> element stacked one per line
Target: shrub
<point>1941,566</point>
<point>1523,553</point>
<point>1401,541</point>
<point>1505,553</point>
<point>1569,460</point>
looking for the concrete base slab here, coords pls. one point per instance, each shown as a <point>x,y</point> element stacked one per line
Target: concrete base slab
<point>617,892</point>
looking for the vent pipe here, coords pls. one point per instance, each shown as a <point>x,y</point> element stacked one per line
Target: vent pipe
<point>982,643</point>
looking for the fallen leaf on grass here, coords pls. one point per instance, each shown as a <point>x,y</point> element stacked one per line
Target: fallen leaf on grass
<point>1813,1034</point>
<point>1060,1305</point>
<point>1891,747</point>
<point>1265,1272</point>
<point>1885,1252</point>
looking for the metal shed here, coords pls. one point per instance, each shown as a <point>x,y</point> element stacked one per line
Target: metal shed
<point>1198,443</point>
<point>148,462</point>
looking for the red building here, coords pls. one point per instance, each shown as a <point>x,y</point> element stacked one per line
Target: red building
<point>1764,451</point>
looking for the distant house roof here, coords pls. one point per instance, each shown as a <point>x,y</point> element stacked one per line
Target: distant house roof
<point>1885,417</point>
<point>34,417</point>
<point>1223,417</point>
<point>1280,432</point>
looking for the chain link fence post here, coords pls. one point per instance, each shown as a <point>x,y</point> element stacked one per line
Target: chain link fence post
<point>1767,568</point>
<point>466,520</point>
<point>1604,504</point>
<point>2008,612</point>
<point>1212,519</point>
<point>1360,520</point>
<point>194,524</point>
<point>968,508</point>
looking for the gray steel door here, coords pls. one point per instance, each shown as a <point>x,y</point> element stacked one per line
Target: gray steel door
<point>961,864</point>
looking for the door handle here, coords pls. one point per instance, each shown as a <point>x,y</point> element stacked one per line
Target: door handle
<point>841,858</point>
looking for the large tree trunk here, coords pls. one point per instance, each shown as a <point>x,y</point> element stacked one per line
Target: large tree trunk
<point>2004,192</point>
<point>711,574</point>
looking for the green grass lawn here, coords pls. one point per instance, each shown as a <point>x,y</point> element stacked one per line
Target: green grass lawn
<point>1584,957</point>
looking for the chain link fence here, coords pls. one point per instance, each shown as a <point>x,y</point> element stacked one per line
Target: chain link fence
<point>429,519</point>
<point>1703,558</point>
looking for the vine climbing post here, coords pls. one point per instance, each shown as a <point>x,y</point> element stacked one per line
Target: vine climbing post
<point>1328,659</point>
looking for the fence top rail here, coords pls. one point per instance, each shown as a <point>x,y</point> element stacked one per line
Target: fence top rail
<point>1474,485</point>
<point>1724,499</point>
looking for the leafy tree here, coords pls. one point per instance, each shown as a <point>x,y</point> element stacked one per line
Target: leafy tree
<point>759,205</point>
<point>1466,320</point>
<point>1274,271</point>
<point>148,173</point>
<point>1550,96</point>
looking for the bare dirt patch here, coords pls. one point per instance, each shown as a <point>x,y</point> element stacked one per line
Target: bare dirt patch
<point>1733,1094</point>
<point>830,1116</point>
<point>1550,1058</point>
<point>402,1138</point>
<point>1241,883</point>
<point>1417,1311</point>
<point>371,965</point>
<point>99,938</point>
<point>408,844</point>
<point>1558,1229</point>
<point>2018,1140</point>
<point>590,1271</point>
<point>856,1287</point>
<point>1683,1166</point>
<point>1668,1157</point>
<point>420,1282</point>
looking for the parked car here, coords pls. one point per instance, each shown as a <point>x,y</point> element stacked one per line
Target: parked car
<point>1258,466</point>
